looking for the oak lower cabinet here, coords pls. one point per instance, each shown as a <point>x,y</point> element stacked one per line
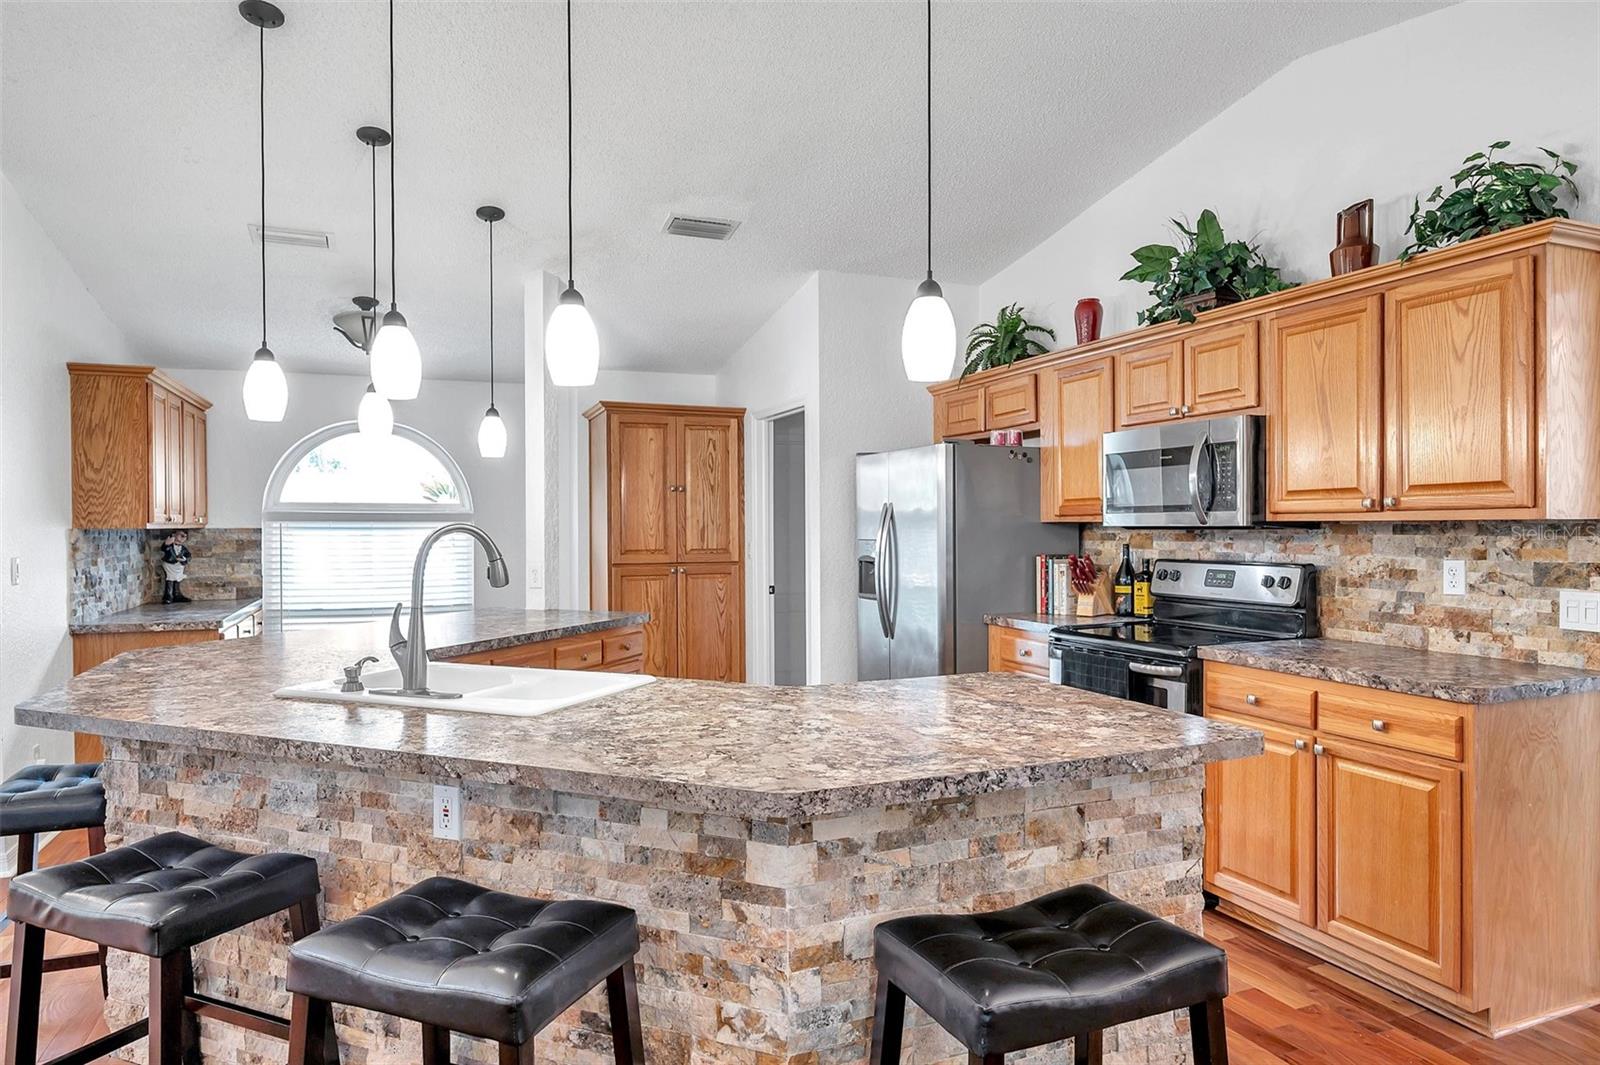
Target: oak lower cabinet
<point>696,626</point>
<point>138,449</point>
<point>609,651</point>
<point>1018,651</point>
<point>1427,845</point>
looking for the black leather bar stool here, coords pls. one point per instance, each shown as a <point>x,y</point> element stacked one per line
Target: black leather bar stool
<point>461,958</point>
<point>158,897</point>
<point>1066,965</point>
<point>40,799</point>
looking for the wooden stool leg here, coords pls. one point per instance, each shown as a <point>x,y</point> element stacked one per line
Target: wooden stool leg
<point>888,1022</point>
<point>622,1001</point>
<point>303,921</point>
<point>512,1054</point>
<point>1088,1048</point>
<point>167,1015</point>
<point>310,1020</point>
<point>435,1045</point>
<point>985,1059</point>
<point>22,1016</point>
<point>1209,1030</point>
<point>27,852</point>
<point>97,839</point>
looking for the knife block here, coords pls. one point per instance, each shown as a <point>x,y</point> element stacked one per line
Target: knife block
<point>1097,602</point>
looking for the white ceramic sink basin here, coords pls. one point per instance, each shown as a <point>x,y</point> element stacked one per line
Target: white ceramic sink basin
<point>509,690</point>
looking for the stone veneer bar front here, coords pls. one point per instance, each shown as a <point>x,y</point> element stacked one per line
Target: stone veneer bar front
<point>760,833</point>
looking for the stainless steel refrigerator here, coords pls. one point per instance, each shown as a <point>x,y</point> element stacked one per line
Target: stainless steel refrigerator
<point>944,534</point>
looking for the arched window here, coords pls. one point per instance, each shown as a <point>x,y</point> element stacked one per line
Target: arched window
<point>342,519</point>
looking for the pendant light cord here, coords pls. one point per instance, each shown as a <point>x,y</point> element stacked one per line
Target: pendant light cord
<point>569,144</point>
<point>374,147</point>
<point>393,294</point>
<point>261,35</point>
<point>491,315</point>
<point>930,140</point>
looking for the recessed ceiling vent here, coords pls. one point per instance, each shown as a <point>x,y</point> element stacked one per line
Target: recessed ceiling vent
<point>295,238</point>
<point>683,225</point>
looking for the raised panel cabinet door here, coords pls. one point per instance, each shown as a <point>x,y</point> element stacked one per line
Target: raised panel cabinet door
<point>1389,828</point>
<point>1012,403</point>
<point>959,412</point>
<point>200,462</point>
<point>1459,386</point>
<point>1078,410</point>
<point>641,487</point>
<point>160,512</point>
<point>1150,384</point>
<point>192,463</point>
<point>1221,370</point>
<point>710,488</point>
<point>177,499</point>
<point>1260,823</point>
<point>710,622</point>
<point>1324,439</point>
<point>651,590</point>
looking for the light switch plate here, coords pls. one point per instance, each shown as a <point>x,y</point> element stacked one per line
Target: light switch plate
<point>447,811</point>
<point>1455,577</point>
<point>16,571</point>
<point>1580,610</point>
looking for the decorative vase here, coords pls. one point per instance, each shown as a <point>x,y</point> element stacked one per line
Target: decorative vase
<point>1086,317</point>
<point>1354,249</point>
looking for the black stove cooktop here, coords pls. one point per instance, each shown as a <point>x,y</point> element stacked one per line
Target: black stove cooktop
<point>1153,635</point>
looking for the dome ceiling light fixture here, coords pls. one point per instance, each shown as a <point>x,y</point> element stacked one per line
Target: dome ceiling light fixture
<point>928,337</point>
<point>571,346</point>
<point>492,430</point>
<point>396,359</point>
<point>266,390</point>
<point>375,415</point>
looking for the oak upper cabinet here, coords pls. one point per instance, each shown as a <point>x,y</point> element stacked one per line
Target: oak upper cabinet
<point>1012,403</point>
<point>1077,409</point>
<point>1391,856</point>
<point>1325,441</point>
<point>959,412</point>
<point>1263,846</point>
<point>666,503</point>
<point>1221,370</point>
<point>1459,387</point>
<point>1150,384</point>
<point>138,449</point>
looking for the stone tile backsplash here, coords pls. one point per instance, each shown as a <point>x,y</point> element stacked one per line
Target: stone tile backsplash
<point>117,569</point>
<point>1381,583</point>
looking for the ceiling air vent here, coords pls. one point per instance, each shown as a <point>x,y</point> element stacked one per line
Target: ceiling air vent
<point>295,238</point>
<point>683,225</point>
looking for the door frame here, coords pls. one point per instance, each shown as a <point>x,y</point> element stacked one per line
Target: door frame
<point>762,627</point>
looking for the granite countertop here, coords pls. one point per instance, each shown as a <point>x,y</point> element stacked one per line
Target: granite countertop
<point>729,748</point>
<point>196,616</point>
<point>1043,623</point>
<point>1435,674</point>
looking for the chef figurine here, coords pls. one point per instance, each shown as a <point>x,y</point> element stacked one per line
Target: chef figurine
<point>174,559</point>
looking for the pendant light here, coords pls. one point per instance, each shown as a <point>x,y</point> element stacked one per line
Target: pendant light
<point>928,337</point>
<point>266,392</point>
<point>396,361</point>
<point>374,417</point>
<point>571,346</point>
<point>492,430</point>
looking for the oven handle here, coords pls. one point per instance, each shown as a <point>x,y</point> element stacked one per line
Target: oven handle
<point>1150,670</point>
<point>1194,479</point>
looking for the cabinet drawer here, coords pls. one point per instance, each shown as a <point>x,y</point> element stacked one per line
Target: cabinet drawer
<point>528,656</point>
<point>1259,694</point>
<point>622,646</point>
<point>1012,404</point>
<point>1016,651</point>
<point>1424,726</point>
<point>579,654</point>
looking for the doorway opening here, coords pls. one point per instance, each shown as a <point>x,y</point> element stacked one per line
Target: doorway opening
<point>786,591</point>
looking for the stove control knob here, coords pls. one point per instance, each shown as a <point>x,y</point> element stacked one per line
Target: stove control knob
<point>1284,582</point>
<point>1161,574</point>
<point>1267,582</point>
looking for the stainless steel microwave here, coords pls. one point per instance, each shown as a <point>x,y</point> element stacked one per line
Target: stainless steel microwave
<point>1193,473</point>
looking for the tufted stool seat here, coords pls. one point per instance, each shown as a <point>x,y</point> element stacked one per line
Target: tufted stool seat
<point>158,897</point>
<point>52,798</point>
<point>458,957</point>
<point>1066,965</point>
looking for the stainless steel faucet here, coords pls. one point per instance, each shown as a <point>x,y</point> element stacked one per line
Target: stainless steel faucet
<point>411,651</point>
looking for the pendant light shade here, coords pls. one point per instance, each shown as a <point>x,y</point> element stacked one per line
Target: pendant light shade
<point>492,435</point>
<point>928,337</point>
<point>396,359</point>
<point>571,345</point>
<point>375,417</point>
<point>266,391</point>
<point>492,430</point>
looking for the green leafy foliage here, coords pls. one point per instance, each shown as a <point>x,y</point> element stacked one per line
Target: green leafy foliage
<point>1208,262</point>
<point>1489,195</point>
<point>1004,341</point>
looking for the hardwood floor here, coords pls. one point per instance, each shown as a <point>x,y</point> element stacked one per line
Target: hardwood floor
<point>1286,1008</point>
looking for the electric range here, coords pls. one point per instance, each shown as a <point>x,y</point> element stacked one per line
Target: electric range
<point>1156,660</point>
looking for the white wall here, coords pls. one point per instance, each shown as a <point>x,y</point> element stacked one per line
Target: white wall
<point>47,318</point>
<point>241,454</point>
<point>1386,116</point>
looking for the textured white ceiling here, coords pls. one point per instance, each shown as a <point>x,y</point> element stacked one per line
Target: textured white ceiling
<point>129,130</point>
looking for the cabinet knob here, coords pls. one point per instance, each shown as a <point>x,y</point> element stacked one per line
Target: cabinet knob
<point>1025,652</point>
<point>1184,409</point>
<point>1366,504</point>
<point>1378,724</point>
<point>1389,501</point>
<point>1299,745</point>
<point>1316,748</point>
<point>1251,699</point>
<point>1172,412</point>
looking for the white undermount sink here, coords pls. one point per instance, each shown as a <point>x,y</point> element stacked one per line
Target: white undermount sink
<point>510,690</point>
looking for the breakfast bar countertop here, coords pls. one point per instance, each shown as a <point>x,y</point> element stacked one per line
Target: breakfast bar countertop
<point>196,616</point>
<point>1442,675</point>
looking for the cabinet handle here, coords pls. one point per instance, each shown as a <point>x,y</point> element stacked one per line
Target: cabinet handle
<point>1025,652</point>
<point>1172,412</point>
<point>1316,748</point>
<point>1378,724</point>
<point>1184,409</point>
<point>1299,745</point>
<point>1389,501</point>
<point>1366,504</point>
<point>1251,699</point>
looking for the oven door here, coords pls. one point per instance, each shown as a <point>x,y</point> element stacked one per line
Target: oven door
<point>1188,474</point>
<point>1173,684</point>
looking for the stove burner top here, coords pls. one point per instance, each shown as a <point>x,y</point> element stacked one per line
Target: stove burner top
<point>1157,636</point>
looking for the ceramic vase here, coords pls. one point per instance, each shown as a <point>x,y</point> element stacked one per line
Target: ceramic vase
<point>1086,318</point>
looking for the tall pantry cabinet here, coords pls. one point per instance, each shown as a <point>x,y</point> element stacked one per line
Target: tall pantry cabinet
<point>666,531</point>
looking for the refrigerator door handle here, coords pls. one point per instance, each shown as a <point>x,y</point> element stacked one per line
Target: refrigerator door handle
<point>892,541</point>
<point>879,548</point>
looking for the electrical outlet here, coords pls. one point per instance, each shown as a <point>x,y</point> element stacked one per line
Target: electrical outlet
<point>1580,611</point>
<point>535,577</point>
<point>447,812</point>
<point>38,754</point>
<point>1455,577</point>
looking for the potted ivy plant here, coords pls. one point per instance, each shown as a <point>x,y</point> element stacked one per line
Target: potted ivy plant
<point>1005,340</point>
<point>1489,195</point>
<point>1208,271</point>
